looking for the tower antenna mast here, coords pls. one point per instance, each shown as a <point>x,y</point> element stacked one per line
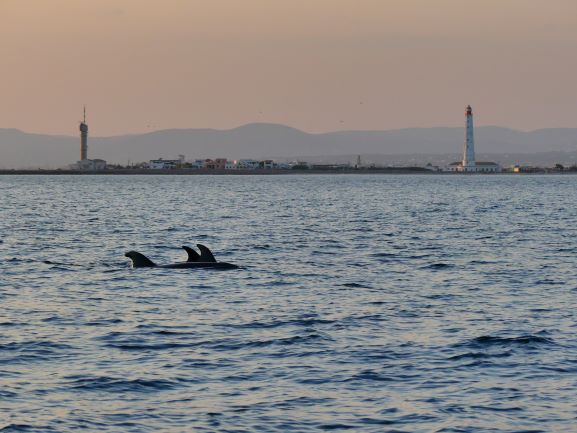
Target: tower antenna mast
<point>84,138</point>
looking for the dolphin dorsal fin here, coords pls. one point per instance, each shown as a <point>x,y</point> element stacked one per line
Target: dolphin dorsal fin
<point>139,260</point>
<point>205,254</point>
<point>193,256</point>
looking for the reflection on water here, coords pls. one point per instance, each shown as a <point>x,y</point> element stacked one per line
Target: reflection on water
<point>365,303</point>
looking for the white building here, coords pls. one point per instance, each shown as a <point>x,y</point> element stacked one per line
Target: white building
<point>469,164</point>
<point>163,164</point>
<point>247,164</point>
<point>90,165</point>
<point>198,164</point>
<point>299,165</point>
<point>480,167</point>
<point>267,163</point>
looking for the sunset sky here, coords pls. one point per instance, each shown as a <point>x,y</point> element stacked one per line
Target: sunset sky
<point>317,65</point>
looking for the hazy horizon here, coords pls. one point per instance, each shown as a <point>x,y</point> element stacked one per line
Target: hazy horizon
<point>322,65</point>
<point>266,141</point>
<point>94,134</point>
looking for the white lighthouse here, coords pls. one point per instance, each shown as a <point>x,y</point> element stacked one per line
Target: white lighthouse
<point>468,164</point>
<point>469,150</point>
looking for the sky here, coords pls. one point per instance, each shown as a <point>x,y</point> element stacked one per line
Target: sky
<point>317,65</point>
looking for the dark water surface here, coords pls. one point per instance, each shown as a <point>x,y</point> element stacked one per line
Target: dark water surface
<point>365,304</point>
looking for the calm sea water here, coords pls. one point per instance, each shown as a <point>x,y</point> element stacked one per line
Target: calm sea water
<point>364,303</point>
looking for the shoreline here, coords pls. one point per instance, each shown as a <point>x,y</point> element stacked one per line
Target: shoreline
<point>201,172</point>
<point>263,172</point>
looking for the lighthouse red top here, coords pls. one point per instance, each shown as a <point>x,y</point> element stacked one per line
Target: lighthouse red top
<point>469,110</point>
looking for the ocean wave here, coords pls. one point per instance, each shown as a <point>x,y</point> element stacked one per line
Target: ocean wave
<point>115,384</point>
<point>355,286</point>
<point>28,351</point>
<point>373,376</point>
<point>145,347</point>
<point>479,355</point>
<point>438,266</point>
<point>103,322</point>
<point>10,324</point>
<point>26,428</point>
<point>4,394</point>
<point>487,341</point>
<point>284,341</point>
<point>305,322</point>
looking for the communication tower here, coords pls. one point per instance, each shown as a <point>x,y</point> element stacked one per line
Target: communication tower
<point>84,138</point>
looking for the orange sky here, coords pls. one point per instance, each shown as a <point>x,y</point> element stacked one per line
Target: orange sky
<point>318,65</point>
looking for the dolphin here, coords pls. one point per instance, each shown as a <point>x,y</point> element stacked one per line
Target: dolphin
<point>193,256</point>
<point>195,260</point>
<point>205,254</point>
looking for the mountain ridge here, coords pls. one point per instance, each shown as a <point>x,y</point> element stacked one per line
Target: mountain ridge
<point>19,149</point>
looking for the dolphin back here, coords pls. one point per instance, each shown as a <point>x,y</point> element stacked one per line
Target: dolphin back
<point>203,260</point>
<point>139,260</point>
<point>200,265</point>
<point>205,254</point>
<point>193,256</point>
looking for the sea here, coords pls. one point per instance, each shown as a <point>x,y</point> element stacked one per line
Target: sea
<point>363,303</point>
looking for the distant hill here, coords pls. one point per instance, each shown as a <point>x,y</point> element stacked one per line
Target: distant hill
<point>23,150</point>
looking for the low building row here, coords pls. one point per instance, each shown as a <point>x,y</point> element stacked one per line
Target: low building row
<point>216,164</point>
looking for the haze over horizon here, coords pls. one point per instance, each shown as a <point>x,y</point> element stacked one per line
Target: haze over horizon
<point>321,65</point>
